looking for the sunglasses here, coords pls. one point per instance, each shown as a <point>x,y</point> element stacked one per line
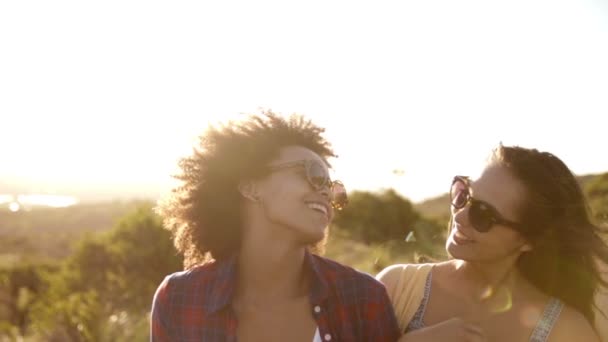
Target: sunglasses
<point>482,215</point>
<point>318,177</point>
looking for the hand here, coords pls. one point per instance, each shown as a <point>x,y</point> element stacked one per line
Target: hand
<point>452,330</point>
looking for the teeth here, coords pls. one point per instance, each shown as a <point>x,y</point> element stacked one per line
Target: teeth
<point>316,206</point>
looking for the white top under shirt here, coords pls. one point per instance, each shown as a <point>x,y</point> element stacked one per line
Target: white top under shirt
<point>317,337</point>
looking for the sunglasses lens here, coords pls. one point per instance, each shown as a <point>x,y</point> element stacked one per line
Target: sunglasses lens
<point>481,216</point>
<point>459,194</point>
<point>339,196</point>
<point>317,175</point>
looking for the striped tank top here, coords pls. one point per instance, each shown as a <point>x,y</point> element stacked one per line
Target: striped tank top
<point>541,331</point>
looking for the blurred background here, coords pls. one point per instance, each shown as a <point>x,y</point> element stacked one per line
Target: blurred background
<point>99,100</point>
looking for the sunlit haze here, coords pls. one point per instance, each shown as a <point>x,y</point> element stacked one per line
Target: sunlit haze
<point>102,98</point>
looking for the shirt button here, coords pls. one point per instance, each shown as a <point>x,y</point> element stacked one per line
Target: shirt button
<point>317,309</point>
<point>327,337</point>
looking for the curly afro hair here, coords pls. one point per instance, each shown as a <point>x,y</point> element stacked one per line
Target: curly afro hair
<point>204,211</point>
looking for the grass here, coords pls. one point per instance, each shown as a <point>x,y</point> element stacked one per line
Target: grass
<point>367,258</point>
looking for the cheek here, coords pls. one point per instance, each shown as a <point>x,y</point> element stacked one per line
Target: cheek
<point>501,241</point>
<point>280,203</point>
<point>460,216</point>
<point>283,199</point>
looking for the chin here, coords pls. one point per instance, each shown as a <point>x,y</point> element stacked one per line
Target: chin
<point>458,252</point>
<point>449,248</point>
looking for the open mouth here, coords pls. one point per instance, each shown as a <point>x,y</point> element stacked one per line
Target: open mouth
<point>460,238</point>
<point>318,207</point>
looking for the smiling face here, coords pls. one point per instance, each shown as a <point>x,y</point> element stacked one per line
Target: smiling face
<point>290,201</point>
<point>496,188</point>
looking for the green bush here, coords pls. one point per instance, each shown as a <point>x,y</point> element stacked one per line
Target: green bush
<point>108,282</point>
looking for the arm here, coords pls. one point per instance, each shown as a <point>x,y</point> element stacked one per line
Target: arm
<point>159,320</point>
<point>390,277</point>
<point>380,321</point>
<point>405,286</point>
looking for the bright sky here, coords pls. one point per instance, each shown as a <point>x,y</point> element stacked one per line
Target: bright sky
<point>111,93</point>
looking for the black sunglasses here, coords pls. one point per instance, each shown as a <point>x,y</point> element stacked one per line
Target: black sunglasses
<point>318,177</point>
<point>482,215</point>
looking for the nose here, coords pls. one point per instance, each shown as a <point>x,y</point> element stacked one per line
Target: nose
<point>325,191</point>
<point>461,216</point>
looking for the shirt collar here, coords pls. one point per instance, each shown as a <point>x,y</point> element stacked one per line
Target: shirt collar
<point>319,289</point>
<point>222,286</point>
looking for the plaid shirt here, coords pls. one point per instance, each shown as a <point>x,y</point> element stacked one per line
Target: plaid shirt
<point>195,305</point>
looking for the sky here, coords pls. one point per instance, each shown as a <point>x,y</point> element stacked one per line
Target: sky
<point>106,96</point>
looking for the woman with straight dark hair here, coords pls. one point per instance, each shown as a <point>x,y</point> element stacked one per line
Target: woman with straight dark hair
<point>524,259</point>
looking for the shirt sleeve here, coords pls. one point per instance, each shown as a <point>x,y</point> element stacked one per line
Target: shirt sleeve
<point>380,318</point>
<point>159,318</point>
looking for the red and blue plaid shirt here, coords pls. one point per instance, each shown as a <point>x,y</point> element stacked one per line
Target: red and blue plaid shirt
<point>195,305</point>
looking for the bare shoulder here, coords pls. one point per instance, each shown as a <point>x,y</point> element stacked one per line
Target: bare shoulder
<point>572,326</point>
<point>391,273</point>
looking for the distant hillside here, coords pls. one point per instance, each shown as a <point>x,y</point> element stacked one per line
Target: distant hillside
<point>86,192</point>
<point>437,208</point>
<point>50,232</point>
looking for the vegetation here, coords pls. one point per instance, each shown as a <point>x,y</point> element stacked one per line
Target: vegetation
<point>100,292</point>
<point>88,272</point>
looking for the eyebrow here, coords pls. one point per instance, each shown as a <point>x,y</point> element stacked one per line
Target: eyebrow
<point>471,182</point>
<point>501,211</point>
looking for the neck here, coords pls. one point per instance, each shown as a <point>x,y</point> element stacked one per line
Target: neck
<point>270,269</point>
<point>492,280</point>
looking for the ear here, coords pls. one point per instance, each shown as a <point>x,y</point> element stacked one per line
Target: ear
<point>525,244</point>
<point>249,190</point>
<point>526,247</point>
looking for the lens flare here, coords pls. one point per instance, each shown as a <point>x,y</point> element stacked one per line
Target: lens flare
<point>502,300</point>
<point>529,316</point>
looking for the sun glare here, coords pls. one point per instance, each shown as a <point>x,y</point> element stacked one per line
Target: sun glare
<point>6,199</point>
<point>14,207</point>
<point>47,200</point>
